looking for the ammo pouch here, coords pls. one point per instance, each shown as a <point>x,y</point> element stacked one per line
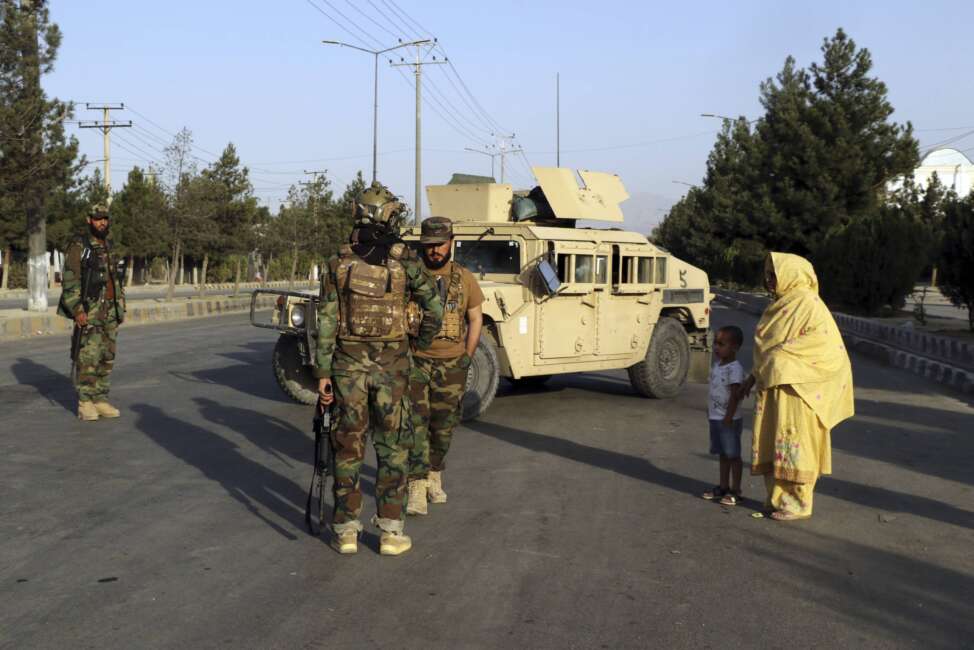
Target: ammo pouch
<point>368,308</point>
<point>454,324</point>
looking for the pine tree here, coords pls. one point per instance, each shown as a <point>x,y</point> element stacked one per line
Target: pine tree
<point>235,214</point>
<point>35,156</point>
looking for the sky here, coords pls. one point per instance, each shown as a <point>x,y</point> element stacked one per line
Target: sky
<point>634,79</point>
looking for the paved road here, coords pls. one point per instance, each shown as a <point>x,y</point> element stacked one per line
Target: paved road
<point>573,520</point>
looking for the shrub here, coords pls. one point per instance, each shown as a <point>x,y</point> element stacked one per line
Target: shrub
<point>956,263</point>
<point>874,261</point>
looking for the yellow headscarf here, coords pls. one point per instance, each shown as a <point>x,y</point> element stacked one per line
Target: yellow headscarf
<point>798,343</point>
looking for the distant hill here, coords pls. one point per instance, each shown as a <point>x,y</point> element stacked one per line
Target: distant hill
<point>643,211</point>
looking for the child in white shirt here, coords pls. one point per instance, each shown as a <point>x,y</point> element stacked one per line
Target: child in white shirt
<point>726,424</point>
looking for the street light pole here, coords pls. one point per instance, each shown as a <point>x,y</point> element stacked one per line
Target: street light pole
<point>375,92</point>
<point>485,153</point>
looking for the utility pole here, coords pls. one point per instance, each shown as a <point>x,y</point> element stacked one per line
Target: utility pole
<point>375,90</point>
<point>557,119</point>
<point>504,144</point>
<point>418,71</point>
<point>106,125</point>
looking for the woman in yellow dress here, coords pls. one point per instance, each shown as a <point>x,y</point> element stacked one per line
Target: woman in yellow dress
<point>804,387</point>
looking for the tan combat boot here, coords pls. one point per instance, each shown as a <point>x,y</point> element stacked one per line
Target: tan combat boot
<point>345,542</point>
<point>434,489</point>
<point>106,410</point>
<point>416,499</point>
<point>394,543</point>
<point>87,411</point>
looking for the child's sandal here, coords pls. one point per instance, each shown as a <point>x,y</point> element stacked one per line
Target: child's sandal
<point>716,492</point>
<point>730,499</point>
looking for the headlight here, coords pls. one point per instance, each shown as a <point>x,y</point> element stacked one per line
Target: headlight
<point>297,316</point>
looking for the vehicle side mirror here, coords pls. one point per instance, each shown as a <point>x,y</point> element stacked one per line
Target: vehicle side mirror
<point>549,278</point>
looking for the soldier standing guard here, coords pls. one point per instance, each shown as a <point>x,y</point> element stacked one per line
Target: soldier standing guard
<point>439,376</point>
<point>363,355</point>
<point>92,295</point>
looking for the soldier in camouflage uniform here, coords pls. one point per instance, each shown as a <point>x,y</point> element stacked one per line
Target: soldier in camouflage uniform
<point>92,295</point>
<point>439,375</point>
<point>363,355</point>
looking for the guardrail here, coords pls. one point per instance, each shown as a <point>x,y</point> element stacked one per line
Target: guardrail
<point>941,359</point>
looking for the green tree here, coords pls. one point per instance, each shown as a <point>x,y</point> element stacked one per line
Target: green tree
<point>875,259</point>
<point>817,161</point>
<point>956,259</point>
<point>139,217</point>
<point>234,215</point>
<point>35,156</point>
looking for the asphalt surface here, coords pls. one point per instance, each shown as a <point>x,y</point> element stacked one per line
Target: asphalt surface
<point>573,518</point>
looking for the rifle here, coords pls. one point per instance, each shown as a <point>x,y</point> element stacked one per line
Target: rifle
<point>75,347</point>
<point>79,331</point>
<point>324,461</point>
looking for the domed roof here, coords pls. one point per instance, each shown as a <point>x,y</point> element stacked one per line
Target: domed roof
<point>944,158</point>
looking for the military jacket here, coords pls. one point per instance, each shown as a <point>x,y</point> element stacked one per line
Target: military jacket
<point>361,302</point>
<point>90,281</point>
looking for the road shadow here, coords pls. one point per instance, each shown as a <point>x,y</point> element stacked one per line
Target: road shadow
<point>275,436</point>
<point>931,441</point>
<point>251,375</point>
<point>251,484</point>
<point>268,433</point>
<point>631,466</point>
<point>878,498</point>
<point>50,384</point>
<point>888,595</point>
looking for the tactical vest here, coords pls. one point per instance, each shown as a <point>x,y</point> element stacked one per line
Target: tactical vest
<point>96,270</point>
<point>454,327</point>
<point>371,298</point>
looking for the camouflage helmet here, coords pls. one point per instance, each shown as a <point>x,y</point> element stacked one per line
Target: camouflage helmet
<point>378,205</point>
<point>98,211</point>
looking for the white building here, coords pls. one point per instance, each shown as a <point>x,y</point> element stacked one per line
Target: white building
<point>953,168</point>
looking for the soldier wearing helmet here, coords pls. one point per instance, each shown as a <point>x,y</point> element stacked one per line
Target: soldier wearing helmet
<point>439,375</point>
<point>363,362</point>
<point>92,295</point>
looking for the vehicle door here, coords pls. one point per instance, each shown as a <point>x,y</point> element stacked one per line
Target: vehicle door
<point>566,322</point>
<point>629,302</point>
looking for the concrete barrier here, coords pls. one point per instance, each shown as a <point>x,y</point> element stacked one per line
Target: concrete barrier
<point>941,359</point>
<point>139,313</point>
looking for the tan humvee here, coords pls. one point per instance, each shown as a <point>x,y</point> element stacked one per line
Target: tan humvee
<point>561,298</point>
<point>558,298</point>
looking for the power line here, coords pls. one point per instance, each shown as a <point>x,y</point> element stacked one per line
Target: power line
<point>397,8</point>
<point>381,13</point>
<point>372,20</point>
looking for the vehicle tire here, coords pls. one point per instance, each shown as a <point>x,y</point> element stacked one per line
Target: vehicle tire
<point>529,383</point>
<point>294,378</point>
<point>663,373</point>
<point>482,380</point>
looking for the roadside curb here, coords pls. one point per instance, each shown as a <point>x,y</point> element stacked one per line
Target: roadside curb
<point>941,359</point>
<point>14,329</point>
<point>16,294</point>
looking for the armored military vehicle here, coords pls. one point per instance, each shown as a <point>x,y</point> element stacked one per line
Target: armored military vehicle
<point>558,297</point>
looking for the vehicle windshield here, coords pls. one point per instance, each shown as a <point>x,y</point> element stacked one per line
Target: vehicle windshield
<point>489,256</point>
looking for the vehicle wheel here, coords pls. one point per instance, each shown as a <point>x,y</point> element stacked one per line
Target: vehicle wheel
<point>482,380</point>
<point>663,372</point>
<point>294,378</point>
<point>529,383</point>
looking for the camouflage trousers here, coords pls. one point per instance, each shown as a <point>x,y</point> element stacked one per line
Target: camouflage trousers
<point>96,354</point>
<point>436,388</point>
<point>369,380</point>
